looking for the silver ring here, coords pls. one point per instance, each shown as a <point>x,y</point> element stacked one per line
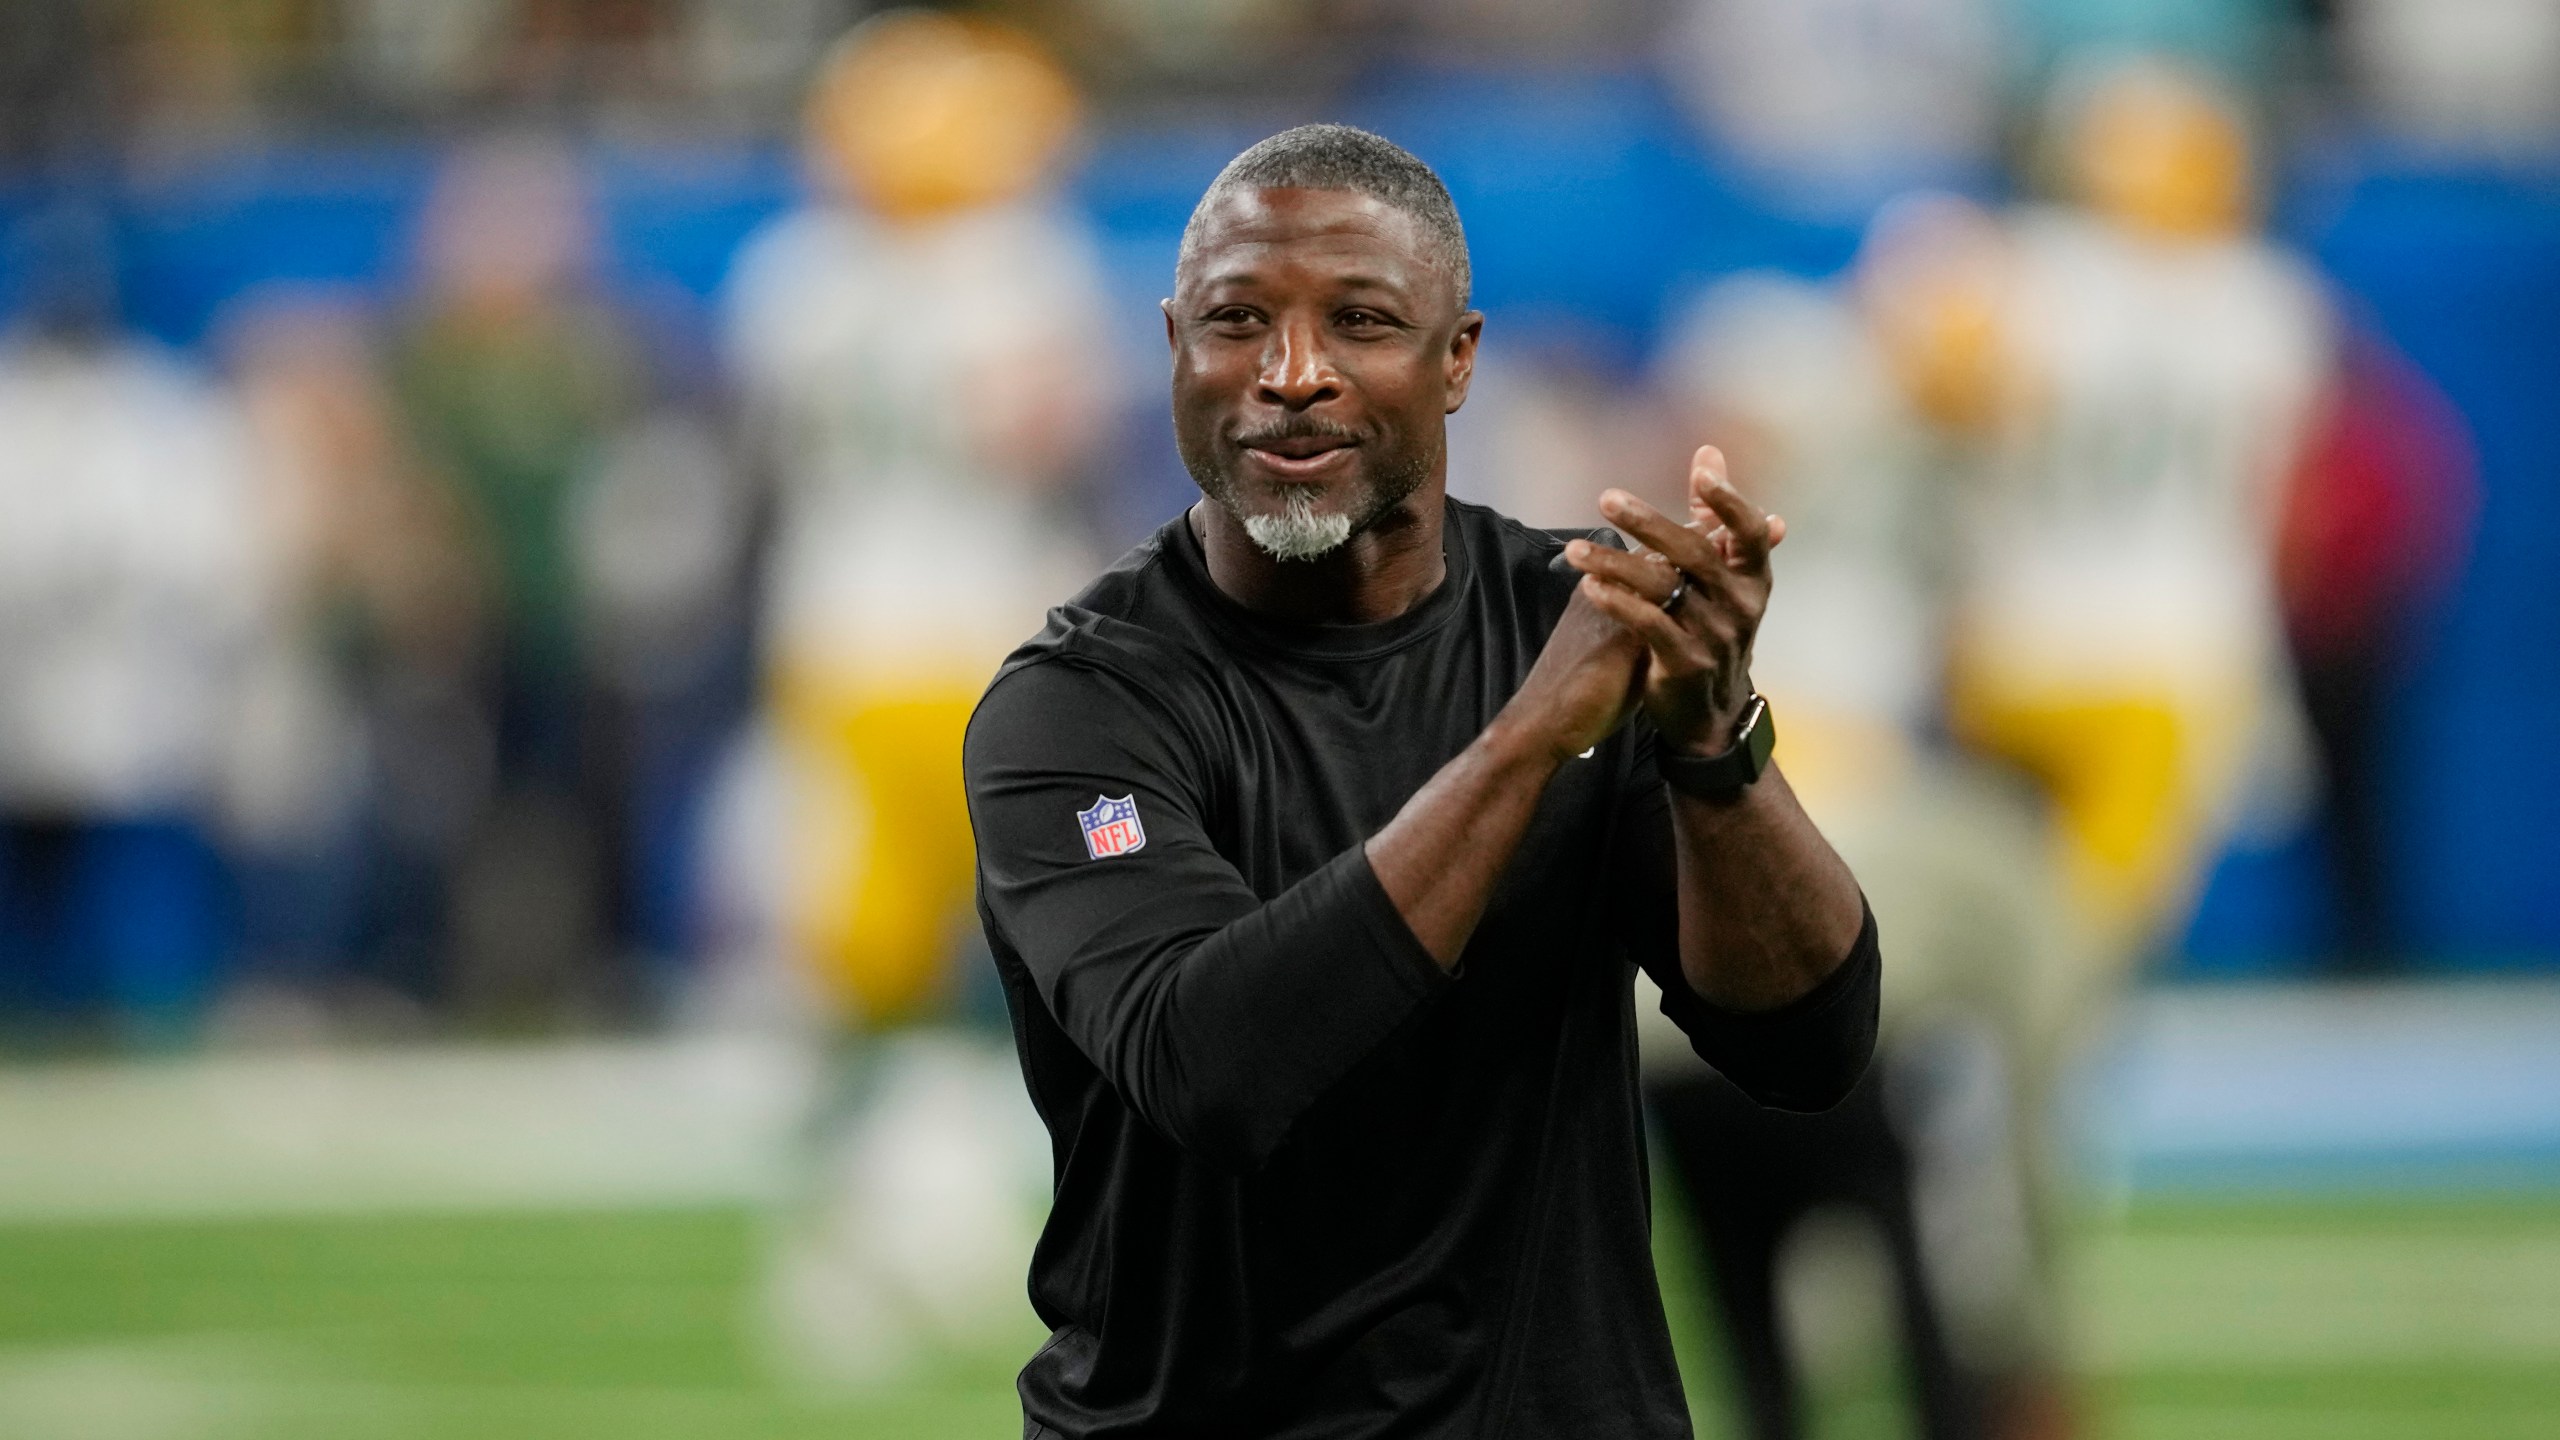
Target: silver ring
<point>1679,592</point>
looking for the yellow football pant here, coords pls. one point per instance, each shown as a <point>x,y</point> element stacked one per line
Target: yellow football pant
<point>2137,782</point>
<point>883,861</point>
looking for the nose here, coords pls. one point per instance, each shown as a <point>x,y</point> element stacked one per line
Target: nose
<point>1296,372</point>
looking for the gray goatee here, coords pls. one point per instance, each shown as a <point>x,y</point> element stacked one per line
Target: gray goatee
<point>1298,532</point>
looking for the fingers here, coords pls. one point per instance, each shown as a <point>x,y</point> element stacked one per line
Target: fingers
<point>1686,639</point>
<point>1706,471</point>
<point>1727,547</point>
<point>1651,576</point>
<point>1748,533</point>
<point>1743,533</point>
<point>1673,647</point>
<point>1717,563</point>
<point>1724,549</point>
<point>1685,545</point>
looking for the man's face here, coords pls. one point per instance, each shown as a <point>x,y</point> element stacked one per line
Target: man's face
<point>1317,348</point>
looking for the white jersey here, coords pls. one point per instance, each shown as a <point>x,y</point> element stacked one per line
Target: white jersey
<point>2127,530</point>
<point>131,574</point>
<point>894,373</point>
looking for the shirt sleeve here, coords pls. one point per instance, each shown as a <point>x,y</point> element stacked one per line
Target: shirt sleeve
<point>1805,1055</point>
<point>1219,1016</point>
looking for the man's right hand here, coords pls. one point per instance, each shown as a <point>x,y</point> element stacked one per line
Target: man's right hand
<point>1583,686</point>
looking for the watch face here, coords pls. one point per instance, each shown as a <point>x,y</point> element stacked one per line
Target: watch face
<point>1759,736</point>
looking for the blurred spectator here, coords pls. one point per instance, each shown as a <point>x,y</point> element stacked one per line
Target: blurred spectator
<point>663,525</point>
<point>2153,364</point>
<point>359,760</point>
<point>1188,44</point>
<point>131,577</point>
<point>752,57</point>
<point>198,72</point>
<point>1550,36</point>
<point>920,358</point>
<point>512,372</point>
<point>55,82</point>
<point>2477,77</point>
<point>1841,102</point>
<point>595,55</point>
<point>2374,526</point>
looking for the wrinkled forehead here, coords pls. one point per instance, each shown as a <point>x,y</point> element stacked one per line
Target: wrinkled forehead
<point>1247,235</point>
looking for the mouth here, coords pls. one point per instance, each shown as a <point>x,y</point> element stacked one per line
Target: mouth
<point>1300,455</point>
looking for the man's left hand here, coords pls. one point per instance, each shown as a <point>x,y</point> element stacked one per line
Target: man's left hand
<point>1714,572</point>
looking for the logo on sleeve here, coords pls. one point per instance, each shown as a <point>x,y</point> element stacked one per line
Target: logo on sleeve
<point>1111,827</point>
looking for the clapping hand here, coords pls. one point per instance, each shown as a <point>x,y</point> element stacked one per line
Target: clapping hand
<point>1694,597</point>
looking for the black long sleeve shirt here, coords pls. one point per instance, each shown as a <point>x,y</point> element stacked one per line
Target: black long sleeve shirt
<point>1309,1184</point>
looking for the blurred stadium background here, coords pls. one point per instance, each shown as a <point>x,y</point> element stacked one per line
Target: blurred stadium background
<point>505,503</point>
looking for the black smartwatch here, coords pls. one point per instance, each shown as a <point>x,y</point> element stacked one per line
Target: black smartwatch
<point>1723,777</point>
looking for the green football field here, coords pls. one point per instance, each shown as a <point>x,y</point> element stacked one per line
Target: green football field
<point>2336,1320</point>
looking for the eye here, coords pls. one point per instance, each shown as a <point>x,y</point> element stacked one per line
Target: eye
<point>1231,315</point>
<point>1361,319</point>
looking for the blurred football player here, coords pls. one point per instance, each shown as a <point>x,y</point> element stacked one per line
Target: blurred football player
<point>906,347</point>
<point>914,348</point>
<point>2143,389</point>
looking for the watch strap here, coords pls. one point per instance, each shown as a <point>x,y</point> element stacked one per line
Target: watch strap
<point>1723,777</point>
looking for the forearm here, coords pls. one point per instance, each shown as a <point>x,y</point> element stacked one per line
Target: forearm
<point>1223,1040</point>
<point>1439,858</point>
<point>1767,908</point>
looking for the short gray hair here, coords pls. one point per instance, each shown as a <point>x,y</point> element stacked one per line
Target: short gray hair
<point>1343,157</point>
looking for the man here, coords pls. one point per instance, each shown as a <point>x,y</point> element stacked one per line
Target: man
<point>132,577</point>
<point>1316,841</point>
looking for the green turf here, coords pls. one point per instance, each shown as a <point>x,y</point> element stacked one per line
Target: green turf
<point>2440,1322</point>
<point>2340,1320</point>
<point>620,1325</point>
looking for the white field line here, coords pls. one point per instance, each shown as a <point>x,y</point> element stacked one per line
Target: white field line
<point>678,1121</point>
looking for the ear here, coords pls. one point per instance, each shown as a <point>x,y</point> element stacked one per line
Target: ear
<point>1460,362</point>
<point>1170,341</point>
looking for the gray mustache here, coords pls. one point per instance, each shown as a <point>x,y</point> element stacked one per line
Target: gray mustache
<point>1303,428</point>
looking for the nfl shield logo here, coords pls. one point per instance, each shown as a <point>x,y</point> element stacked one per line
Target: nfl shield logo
<point>1111,827</point>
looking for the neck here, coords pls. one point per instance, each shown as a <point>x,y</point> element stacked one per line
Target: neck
<point>1378,574</point>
